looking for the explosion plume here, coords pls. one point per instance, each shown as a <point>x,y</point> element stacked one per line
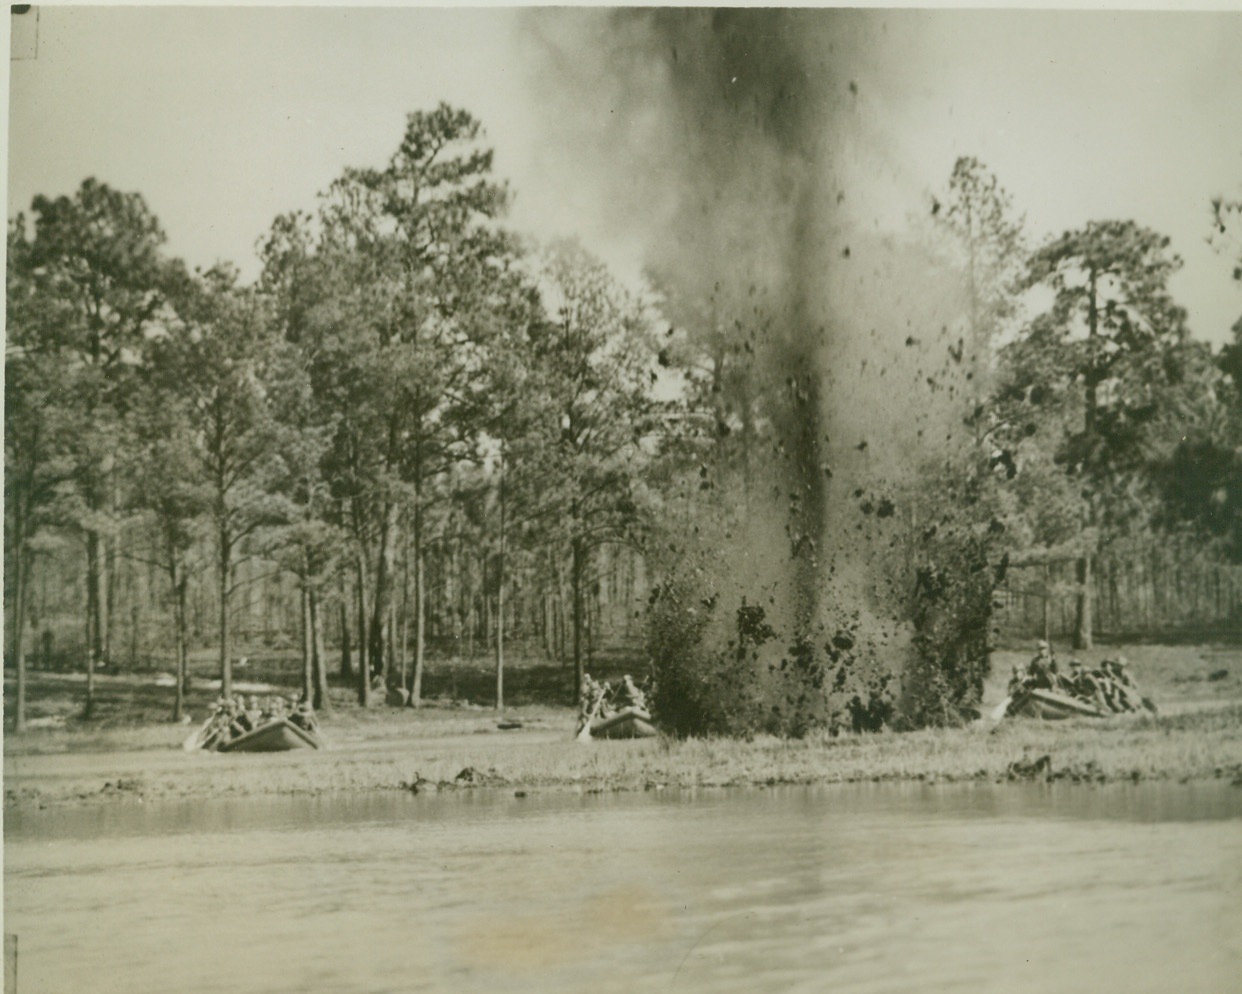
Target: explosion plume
<point>745,150</point>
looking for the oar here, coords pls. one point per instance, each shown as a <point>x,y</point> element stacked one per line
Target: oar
<point>198,738</point>
<point>584,733</point>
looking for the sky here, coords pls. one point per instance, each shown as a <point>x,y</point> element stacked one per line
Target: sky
<point>223,118</point>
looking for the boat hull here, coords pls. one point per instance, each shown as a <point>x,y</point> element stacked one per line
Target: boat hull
<point>275,736</point>
<point>630,723</point>
<point>1051,706</point>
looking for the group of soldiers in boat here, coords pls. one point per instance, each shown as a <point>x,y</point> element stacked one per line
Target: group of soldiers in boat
<point>601,701</point>
<point>1109,687</point>
<point>236,716</point>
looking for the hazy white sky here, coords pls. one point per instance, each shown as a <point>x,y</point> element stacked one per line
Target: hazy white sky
<point>223,118</point>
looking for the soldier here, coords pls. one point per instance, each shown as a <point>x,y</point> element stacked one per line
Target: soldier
<point>590,705</point>
<point>1086,686</point>
<point>629,696</point>
<point>1120,684</point>
<point>1121,672</point>
<point>1042,669</point>
<point>238,720</point>
<point>304,716</point>
<point>591,700</point>
<point>590,691</point>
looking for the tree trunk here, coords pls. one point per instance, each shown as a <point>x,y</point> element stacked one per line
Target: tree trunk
<point>308,668</point>
<point>578,567</point>
<point>545,623</point>
<point>500,595</point>
<point>21,584</point>
<point>1047,602</point>
<point>1092,378</point>
<point>487,608</point>
<point>390,641</point>
<point>110,554</point>
<point>403,644</point>
<point>347,666</point>
<point>95,595</point>
<point>457,600</point>
<point>381,598</point>
<point>224,565</point>
<point>630,584</point>
<point>420,603</point>
<point>180,583</point>
<point>320,700</point>
<point>1083,625</point>
<point>364,666</point>
<point>559,617</point>
<point>134,616</point>
<point>89,614</point>
<point>467,601</point>
<point>1114,595</point>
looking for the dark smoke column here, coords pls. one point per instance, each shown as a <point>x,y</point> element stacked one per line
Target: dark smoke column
<point>750,104</point>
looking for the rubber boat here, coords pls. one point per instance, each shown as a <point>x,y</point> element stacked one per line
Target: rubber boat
<point>1048,704</point>
<point>628,723</point>
<point>279,735</point>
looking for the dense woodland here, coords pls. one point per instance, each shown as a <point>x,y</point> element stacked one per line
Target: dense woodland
<point>416,437</point>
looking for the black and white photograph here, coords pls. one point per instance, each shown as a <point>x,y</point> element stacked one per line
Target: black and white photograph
<point>586,499</point>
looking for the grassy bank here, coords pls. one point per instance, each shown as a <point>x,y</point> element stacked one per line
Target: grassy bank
<point>453,745</point>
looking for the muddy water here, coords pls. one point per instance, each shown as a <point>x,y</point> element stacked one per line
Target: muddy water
<point>843,889</point>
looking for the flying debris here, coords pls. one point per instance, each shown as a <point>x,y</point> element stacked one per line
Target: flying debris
<point>1002,457</point>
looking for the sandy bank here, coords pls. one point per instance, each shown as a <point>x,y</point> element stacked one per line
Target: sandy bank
<point>1202,744</point>
<point>130,752</point>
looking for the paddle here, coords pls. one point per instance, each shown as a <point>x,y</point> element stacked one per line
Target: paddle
<point>584,733</point>
<point>998,712</point>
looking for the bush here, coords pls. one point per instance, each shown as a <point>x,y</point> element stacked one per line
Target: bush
<point>729,668</point>
<point>957,572</point>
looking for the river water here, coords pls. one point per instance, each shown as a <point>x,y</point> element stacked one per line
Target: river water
<point>870,889</point>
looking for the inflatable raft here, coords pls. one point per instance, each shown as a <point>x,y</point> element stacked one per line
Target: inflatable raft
<point>1049,705</point>
<point>280,735</point>
<point>628,723</point>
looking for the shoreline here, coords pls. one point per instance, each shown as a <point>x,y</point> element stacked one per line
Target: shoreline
<point>1194,746</point>
<point>130,752</point>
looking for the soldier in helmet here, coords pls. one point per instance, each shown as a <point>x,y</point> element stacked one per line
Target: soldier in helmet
<point>1042,669</point>
<point>1121,672</point>
<point>1085,685</point>
<point>592,702</point>
<point>629,696</point>
<point>1123,693</point>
